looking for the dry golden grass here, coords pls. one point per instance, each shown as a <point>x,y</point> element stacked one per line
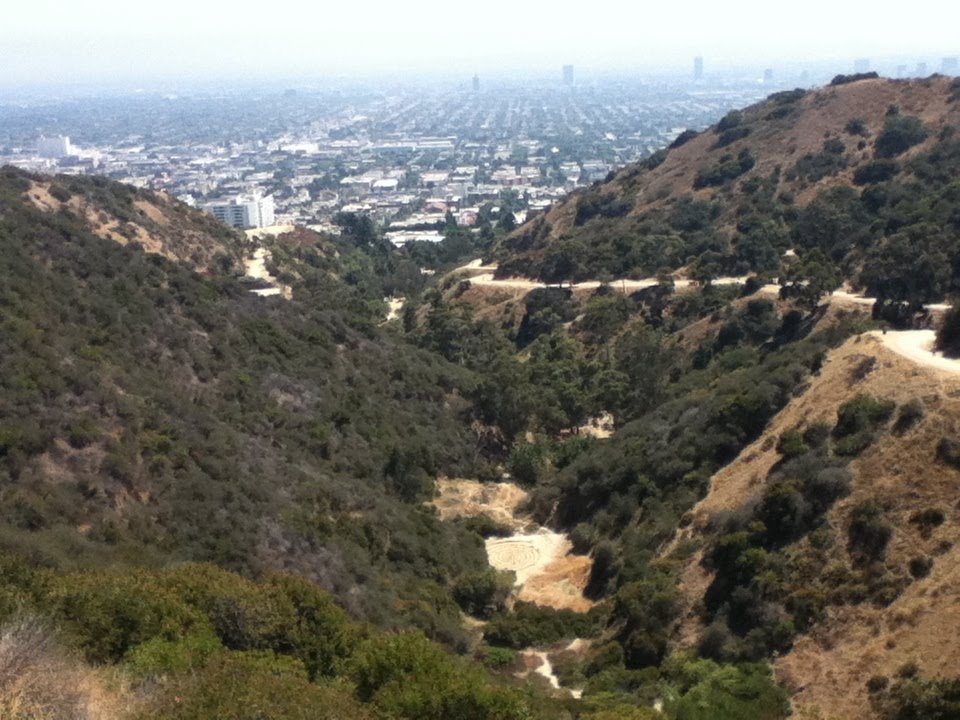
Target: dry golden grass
<point>39,681</point>
<point>781,143</point>
<point>827,670</point>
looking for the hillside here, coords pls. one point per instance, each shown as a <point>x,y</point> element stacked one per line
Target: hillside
<point>874,576</point>
<point>719,486</point>
<point>149,413</point>
<point>778,485</point>
<point>852,177</point>
<point>154,221</point>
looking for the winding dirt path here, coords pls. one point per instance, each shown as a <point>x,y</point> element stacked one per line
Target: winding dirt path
<point>917,345</point>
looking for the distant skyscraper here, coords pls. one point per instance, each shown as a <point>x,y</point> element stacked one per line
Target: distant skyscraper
<point>476,83</point>
<point>768,76</point>
<point>568,74</point>
<point>861,65</point>
<point>921,69</point>
<point>698,68</point>
<point>901,71</point>
<point>950,66</point>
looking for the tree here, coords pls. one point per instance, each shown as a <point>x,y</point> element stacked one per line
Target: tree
<point>948,335</point>
<point>506,222</point>
<point>562,261</point>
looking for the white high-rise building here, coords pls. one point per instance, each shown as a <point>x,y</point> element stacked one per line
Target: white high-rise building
<point>244,211</point>
<point>54,147</point>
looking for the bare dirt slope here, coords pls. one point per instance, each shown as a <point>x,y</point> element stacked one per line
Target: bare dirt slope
<point>160,224</point>
<point>828,669</point>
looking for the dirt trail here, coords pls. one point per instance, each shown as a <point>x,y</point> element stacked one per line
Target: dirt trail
<point>917,345</point>
<point>256,268</point>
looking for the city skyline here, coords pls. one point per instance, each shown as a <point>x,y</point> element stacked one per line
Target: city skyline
<point>45,42</point>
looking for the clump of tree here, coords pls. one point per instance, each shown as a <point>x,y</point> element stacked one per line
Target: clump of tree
<point>852,78</point>
<point>900,133</point>
<point>728,168</point>
<point>948,334</point>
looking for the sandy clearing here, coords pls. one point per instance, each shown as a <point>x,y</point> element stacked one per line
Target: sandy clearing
<point>917,345</point>
<point>394,306</point>
<point>600,427</point>
<point>151,211</point>
<point>547,573</point>
<point>39,194</point>
<point>470,498</point>
<point>527,554</point>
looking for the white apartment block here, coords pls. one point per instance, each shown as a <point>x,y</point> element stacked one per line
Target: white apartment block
<point>54,147</point>
<point>244,211</point>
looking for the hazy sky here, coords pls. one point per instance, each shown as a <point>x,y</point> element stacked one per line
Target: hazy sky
<point>61,41</point>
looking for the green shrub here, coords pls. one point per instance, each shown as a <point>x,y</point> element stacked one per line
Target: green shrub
<point>862,413</point>
<point>900,133</point>
<point>527,463</point>
<point>407,677</point>
<point>920,567</point>
<point>683,138</point>
<point>240,686</point>
<point>948,334</point>
<point>731,135</point>
<point>729,121</point>
<point>530,625</point>
<point>483,593</point>
<point>856,126</point>
<point>856,77</point>
<point>868,532</point>
<point>499,658</point>
<point>909,415</point>
<point>948,452</point>
<point>728,692</point>
<point>791,444</point>
<point>876,172</point>
<point>728,168</point>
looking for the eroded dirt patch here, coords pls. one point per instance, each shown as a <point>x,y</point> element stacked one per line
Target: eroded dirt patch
<point>547,573</point>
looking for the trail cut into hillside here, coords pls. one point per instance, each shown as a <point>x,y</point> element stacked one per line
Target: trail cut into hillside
<point>256,268</point>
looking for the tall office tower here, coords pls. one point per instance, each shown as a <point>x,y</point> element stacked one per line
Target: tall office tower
<point>476,83</point>
<point>698,68</point>
<point>568,74</point>
<point>768,76</point>
<point>861,65</point>
<point>921,69</point>
<point>950,66</point>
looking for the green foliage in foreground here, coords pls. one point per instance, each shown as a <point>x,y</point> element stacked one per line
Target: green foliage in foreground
<point>207,643</point>
<point>726,692</point>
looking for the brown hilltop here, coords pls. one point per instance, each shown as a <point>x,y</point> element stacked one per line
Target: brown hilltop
<point>782,130</point>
